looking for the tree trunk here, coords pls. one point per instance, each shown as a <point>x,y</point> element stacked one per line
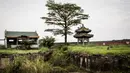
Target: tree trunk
<point>65,39</point>
<point>65,33</point>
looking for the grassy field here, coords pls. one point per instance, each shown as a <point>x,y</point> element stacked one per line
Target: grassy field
<point>114,50</point>
<point>15,51</point>
<point>89,49</point>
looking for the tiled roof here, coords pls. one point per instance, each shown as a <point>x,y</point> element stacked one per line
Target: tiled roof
<point>83,35</point>
<point>20,33</point>
<point>83,29</point>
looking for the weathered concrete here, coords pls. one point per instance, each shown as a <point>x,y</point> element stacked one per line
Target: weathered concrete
<point>101,62</point>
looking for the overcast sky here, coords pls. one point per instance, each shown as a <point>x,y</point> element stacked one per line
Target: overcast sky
<point>109,19</point>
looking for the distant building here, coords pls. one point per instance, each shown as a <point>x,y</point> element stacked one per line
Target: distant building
<point>104,43</point>
<point>112,42</point>
<point>14,38</point>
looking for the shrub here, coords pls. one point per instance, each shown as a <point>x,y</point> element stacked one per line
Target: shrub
<point>47,42</point>
<point>64,48</point>
<point>59,58</point>
<point>2,47</point>
<point>72,68</point>
<point>59,69</point>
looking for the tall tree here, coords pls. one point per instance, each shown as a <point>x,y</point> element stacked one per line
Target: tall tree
<point>64,15</point>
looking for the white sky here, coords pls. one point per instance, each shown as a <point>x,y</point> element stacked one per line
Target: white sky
<point>109,19</point>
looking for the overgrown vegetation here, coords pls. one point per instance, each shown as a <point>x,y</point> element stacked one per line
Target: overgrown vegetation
<point>24,65</point>
<point>2,46</point>
<point>59,61</point>
<point>47,42</point>
<point>15,51</point>
<point>26,43</point>
<point>89,49</point>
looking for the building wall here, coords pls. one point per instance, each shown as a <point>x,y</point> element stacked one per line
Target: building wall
<point>116,42</point>
<point>113,42</point>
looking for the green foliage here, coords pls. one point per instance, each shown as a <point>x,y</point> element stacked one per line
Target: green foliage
<point>58,69</point>
<point>59,58</point>
<point>62,62</point>
<point>65,48</point>
<point>59,63</point>
<point>43,49</point>
<point>24,65</point>
<point>115,50</point>
<point>120,71</point>
<point>26,43</point>
<point>64,15</point>
<point>72,68</point>
<point>2,47</point>
<point>47,42</point>
<point>15,51</point>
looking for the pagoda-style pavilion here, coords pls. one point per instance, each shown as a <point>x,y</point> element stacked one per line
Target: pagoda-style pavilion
<point>82,34</point>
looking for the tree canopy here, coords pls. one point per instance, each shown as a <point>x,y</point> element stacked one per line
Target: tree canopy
<point>64,15</point>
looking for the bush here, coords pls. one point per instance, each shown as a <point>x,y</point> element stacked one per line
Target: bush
<point>47,42</point>
<point>65,48</point>
<point>24,65</point>
<point>72,68</point>
<point>2,47</point>
<point>59,58</point>
<point>59,69</point>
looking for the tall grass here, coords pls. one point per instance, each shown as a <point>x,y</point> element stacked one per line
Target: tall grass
<point>15,51</point>
<point>23,65</point>
<point>119,49</point>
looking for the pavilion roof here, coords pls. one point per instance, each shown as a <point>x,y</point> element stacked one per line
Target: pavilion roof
<point>83,35</point>
<point>83,29</point>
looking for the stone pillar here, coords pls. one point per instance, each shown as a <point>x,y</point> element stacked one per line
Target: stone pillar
<point>83,41</point>
<point>78,60</point>
<point>0,62</point>
<point>5,43</point>
<point>81,61</point>
<point>5,40</point>
<point>87,40</point>
<point>75,59</point>
<point>86,62</point>
<point>78,41</point>
<point>17,42</point>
